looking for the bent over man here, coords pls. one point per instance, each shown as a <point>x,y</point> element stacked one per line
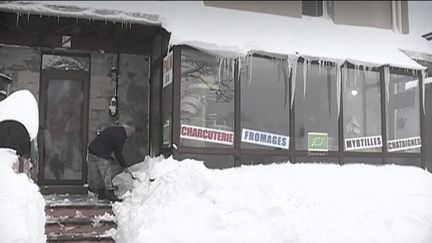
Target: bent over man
<point>110,140</point>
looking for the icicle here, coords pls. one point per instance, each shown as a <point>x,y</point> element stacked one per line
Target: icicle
<point>338,87</point>
<point>278,67</point>
<point>17,20</point>
<point>319,67</point>
<point>423,74</point>
<point>250,66</point>
<point>232,62</point>
<point>220,61</point>
<point>345,78</point>
<point>239,61</point>
<point>58,19</point>
<point>293,60</point>
<point>355,74</point>
<point>387,82</point>
<point>28,17</point>
<point>305,70</point>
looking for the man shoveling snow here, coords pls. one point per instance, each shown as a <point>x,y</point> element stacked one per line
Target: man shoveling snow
<point>110,140</point>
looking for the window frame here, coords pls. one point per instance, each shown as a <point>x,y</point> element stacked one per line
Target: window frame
<point>291,154</point>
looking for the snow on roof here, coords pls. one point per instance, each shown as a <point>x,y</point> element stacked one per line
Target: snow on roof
<point>232,32</point>
<point>74,10</point>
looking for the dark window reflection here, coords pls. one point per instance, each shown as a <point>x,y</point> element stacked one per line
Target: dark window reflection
<point>315,104</point>
<point>207,98</point>
<point>403,114</point>
<point>63,145</point>
<point>265,100</point>
<point>362,110</point>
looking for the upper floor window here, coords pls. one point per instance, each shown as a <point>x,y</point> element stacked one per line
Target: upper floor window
<point>312,8</point>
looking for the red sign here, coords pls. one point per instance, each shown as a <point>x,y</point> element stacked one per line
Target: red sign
<point>206,134</point>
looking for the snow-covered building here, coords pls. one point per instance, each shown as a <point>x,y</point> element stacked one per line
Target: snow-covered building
<point>227,82</point>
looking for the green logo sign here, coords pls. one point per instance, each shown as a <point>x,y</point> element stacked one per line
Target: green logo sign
<point>317,141</point>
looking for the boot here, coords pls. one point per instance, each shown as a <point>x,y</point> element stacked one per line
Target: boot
<point>111,196</point>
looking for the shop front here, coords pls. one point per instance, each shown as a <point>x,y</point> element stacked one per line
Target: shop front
<point>264,108</point>
<point>86,74</point>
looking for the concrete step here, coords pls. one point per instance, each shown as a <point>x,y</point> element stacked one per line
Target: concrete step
<point>77,211</point>
<point>79,237</point>
<point>78,225</point>
<point>78,218</point>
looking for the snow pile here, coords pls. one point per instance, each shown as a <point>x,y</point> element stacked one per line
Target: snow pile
<point>277,203</point>
<point>21,106</point>
<point>21,205</point>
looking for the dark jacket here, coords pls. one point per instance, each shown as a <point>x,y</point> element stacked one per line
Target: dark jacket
<point>14,135</point>
<point>111,139</point>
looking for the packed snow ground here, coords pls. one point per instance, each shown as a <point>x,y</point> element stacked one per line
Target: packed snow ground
<point>276,203</point>
<point>22,214</point>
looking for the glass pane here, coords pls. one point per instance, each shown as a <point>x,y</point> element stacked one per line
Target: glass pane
<point>63,145</point>
<point>206,100</point>
<point>65,63</point>
<point>166,115</point>
<point>316,109</point>
<point>362,110</point>
<point>265,104</point>
<point>403,114</point>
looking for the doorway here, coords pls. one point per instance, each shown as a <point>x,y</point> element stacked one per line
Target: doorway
<point>64,95</point>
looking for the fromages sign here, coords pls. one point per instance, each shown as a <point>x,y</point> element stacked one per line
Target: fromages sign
<point>265,139</point>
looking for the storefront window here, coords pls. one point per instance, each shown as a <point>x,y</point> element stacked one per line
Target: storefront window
<point>316,109</point>
<point>265,104</point>
<point>167,100</point>
<point>362,110</point>
<point>206,100</point>
<point>403,113</point>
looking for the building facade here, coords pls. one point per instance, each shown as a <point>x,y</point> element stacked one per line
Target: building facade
<point>228,109</point>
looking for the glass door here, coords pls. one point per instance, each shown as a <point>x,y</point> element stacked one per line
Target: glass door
<point>63,131</point>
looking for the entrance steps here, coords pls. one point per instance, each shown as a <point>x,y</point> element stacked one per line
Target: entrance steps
<point>79,218</point>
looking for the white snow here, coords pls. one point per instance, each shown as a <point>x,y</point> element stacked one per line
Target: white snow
<point>21,106</point>
<point>22,215</point>
<point>276,203</point>
<point>222,30</point>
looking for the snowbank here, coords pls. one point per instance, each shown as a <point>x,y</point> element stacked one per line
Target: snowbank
<point>22,212</point>
<point>276,203</point>
<point>21,106</point>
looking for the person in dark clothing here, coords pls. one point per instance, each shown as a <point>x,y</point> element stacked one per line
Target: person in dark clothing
<point>110,140</point>
<point>14,135</point>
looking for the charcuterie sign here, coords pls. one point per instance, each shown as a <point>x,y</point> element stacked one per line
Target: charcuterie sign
<point>206,134</point>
